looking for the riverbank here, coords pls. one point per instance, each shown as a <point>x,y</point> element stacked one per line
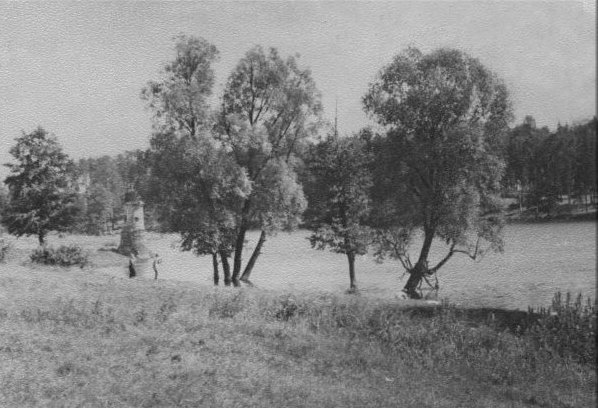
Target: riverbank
<point>562,213</point>
<point>73,337</point>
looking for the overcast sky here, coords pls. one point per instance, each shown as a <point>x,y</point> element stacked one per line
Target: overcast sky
<point>77,68</point>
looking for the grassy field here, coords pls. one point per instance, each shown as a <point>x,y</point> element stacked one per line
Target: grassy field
<point>72,337</point>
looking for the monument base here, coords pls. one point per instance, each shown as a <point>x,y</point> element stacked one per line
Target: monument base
<point>132,241</point>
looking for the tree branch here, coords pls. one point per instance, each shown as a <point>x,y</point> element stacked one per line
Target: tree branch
<point>475,253</point>
<point>444,260</point>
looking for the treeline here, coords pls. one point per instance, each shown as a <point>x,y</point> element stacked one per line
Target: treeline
<point>543,168</point>
<point>101,184</point>
<point>261,158</point>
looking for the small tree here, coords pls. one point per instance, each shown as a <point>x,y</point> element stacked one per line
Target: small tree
<point>438,167</point>
<point>42,198</point>
<point>269,108</point>
<point>340,203</point>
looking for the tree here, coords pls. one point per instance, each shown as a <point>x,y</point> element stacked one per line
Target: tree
<point>190,177</point>
<point>42,197</point>
<point>437,166</point>
<point>269,109</point>
<point>341,203</point>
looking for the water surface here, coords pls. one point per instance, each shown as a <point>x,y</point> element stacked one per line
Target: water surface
<point>539,259</point>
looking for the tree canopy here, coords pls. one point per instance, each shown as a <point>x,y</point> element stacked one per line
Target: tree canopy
<point>179,100</point>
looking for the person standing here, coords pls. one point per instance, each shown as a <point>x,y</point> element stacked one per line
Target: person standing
<point>157,260</point>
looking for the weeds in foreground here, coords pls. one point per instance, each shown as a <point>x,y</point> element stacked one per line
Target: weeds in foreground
<point>567,328</point>
<point>271,348</point>
<point>227,306</point>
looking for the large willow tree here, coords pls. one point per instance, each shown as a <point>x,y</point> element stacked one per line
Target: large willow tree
<point>270,107</point>
<point>438,167</point>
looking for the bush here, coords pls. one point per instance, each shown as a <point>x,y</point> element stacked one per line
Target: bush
<point>64,255</point>
<point>226,306</point>
<point>4,248</point>
<point>566,328</point>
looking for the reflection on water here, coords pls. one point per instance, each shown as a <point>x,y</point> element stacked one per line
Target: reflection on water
<point>539,259</point>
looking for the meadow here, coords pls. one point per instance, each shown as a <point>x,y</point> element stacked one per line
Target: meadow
<point>72,337</point>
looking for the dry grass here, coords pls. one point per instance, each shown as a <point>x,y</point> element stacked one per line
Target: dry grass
<point>79,338</point>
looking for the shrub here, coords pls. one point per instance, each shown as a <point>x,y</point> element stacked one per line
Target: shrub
<point>227,307</point>
<point>566,328</point>
<point>288,307</point>
<point>4,248</point>
<point>64,255</point>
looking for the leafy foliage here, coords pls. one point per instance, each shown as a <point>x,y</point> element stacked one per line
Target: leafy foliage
<point>208,192</point>
<point>42,195</point>
<point>180,100</point>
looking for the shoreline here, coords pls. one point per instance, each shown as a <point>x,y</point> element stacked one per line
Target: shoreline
<point>559,218</point>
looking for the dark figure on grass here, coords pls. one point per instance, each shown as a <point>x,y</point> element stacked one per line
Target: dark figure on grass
<point>132,271</point>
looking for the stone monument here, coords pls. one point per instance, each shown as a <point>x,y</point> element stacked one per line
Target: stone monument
<point>132,236</point>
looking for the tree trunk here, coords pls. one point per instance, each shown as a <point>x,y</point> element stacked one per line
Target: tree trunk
<point>416,274</point>
<point>352,280</point>
<point>415,277</point>
<point>240,241</point>
<point>585,200</point>
<point>41,238</point>
<point>254,255</point>
<point>215,265</point>
<point>238,254</point>
<point>225,268</point>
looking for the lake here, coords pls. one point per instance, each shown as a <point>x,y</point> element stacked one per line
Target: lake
<point>539,259</point>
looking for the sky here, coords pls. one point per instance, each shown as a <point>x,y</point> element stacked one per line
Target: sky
<point>77,68</point>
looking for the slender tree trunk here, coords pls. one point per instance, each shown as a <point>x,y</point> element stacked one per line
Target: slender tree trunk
<point>585,200</point>
<point>215,265</point>
<point>419,270</point>
<point>239,254</point>
<point>225,268</point>
<point>352,280</point>
<point>254,255</point>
